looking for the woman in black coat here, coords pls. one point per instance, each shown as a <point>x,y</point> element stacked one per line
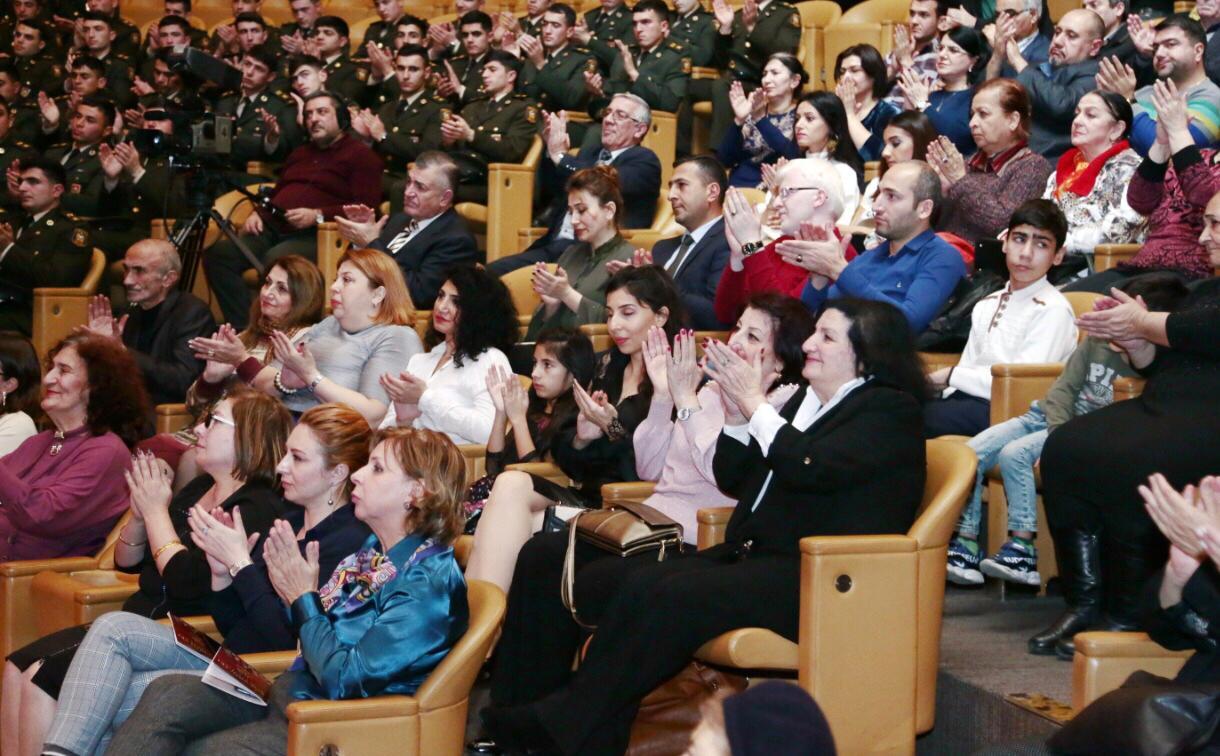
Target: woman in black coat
<point>845,456</point>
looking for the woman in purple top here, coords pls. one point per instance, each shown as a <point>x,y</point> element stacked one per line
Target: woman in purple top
<point>63,489</point>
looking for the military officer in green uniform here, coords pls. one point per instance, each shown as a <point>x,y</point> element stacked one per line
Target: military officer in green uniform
<point>37,69</point>
<point>553,73</point>
<point>383,31</point>
<point>90,123</point>
<point>168,33</point>
<point>126,36</point>
<point>248,30</point>
<point>12,150</point>
<point>24,111</point>
<point>653,68</point>
<point>40,246</point>
<point>251,137</point>
<point>531,22</point>
<point>304,26</point>
<point>32,11</point>
<point>461,76</point>
<point>602,28</point>
<point>497,129</point>
<point>170,90</point>
<point>696,29</point>
<point>343,76</point>
<point>745,39</point>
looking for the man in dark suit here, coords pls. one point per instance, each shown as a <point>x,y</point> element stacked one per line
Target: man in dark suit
<point>1018,21</point>
<point>697,258</point>
<point>428,237</point>
<point>161,322</point>
<point>639,175</point>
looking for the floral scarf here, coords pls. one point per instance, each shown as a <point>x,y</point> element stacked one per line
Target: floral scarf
<point>754,142</point>
<point>1076,175</point>
<point>358,578</point>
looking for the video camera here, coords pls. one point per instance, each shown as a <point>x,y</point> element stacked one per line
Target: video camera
<point>195,134</point>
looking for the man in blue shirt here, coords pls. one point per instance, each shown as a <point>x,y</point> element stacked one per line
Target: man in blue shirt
<point>913,269</point>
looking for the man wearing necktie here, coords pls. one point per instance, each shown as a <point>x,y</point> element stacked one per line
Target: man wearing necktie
<point>255,108</point>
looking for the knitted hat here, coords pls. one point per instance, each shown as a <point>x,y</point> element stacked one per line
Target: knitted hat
<point>776,718</point>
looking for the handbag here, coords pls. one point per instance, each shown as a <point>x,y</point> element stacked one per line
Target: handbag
<point>624,529</point>
<point>1147,716</point>
<point>669,714</point>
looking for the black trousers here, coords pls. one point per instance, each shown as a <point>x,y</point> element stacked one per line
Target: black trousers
<point>660,614</point>
<point>224,265</point>
<point>958,414</point>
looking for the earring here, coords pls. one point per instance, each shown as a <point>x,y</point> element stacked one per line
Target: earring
<point>831,144</point>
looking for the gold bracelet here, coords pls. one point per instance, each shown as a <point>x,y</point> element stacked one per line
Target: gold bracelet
<point>161,550</point>
<point>129,543</point>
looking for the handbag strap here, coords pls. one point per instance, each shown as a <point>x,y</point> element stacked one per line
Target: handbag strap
<point>567,584</point>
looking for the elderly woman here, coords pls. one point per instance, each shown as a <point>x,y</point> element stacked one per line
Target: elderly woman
<point>371,331</point>
<point>20,377</point>
<point>63,489</point>
<point>764,121</point>
<point>124,652</point>
<point>572,295</point>
<point>981,195</point>
<point>386,617</point>
<point>862,83</point>
<point>676,452</point>
<point>1090,181</point>
<point>239,443</point>
<point>1105,543</point>
<point>960,67</point>
<point>1171,187</point>
<point>445,389</point>
<point>865,389</point>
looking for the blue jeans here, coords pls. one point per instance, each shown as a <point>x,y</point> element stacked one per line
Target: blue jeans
<point>1015,445</point>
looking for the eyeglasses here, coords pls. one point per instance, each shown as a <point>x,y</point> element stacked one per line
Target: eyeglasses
<point>211,417</point>
<point>788,191</point>
<point>621,115</point>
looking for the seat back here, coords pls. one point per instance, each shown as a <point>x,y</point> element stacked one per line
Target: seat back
<point>847,33</point>
<point>1082,302</point>
<point>445,695</point>
<point>521,292</point>
<point>950,479</point>
<point>816,15</point>
<point>1106,256</point>
<point>58,310</point>
<point>873,11</point>
<point>662,138</point>
<point>331,247</point>
<point>598,334</point>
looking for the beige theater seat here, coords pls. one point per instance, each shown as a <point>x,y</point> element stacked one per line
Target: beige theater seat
<point>57,310</point>
<point>1104,660</point>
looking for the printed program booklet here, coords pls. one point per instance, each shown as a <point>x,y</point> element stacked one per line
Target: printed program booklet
<point>226,670</point>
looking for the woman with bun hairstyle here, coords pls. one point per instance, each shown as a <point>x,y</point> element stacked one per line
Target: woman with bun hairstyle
<point>764,121</point>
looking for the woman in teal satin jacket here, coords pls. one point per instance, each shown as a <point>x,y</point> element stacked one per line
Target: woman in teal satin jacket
<point>388,615</point>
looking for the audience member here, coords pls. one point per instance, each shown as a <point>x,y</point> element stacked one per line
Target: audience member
<point>1027,321</point>
<point>913,269</point>
<point>695,28</point>
<point>1086,384</point>
<point>603,28</point>
<point>382,31</point>
<point>916,47</point>
<point>95,36</point>
<point>264,123</point>
<point>594,449</point>
<point>863,373</point>
<point>306,25</point>
<point>343,77</point>
<point>92,121</point>
<point>63,488</point>
<point>428,237</point>
<point>960,67</point>
<point>860,82</point>
<point>445,389</point>
<point>763,121</point>
<point>161,322</point>
<point>15,148</point>
<point>572,294</point>
<point>982,193</point>
<point>553,74</point>
<point>320,177</point>
<point>44,248</point>
<point>655,69</point>
<point>462,80</point>
<point>1020,22</point>
<point>821,131</point>
<point>1090,181</point>
<point>383,632</point>
<point>906,138</point>
<point>405,128</point>
<point>1091,505</point>
<point>370,332</point>
<point>20,379</point>
<point>1116,43</point>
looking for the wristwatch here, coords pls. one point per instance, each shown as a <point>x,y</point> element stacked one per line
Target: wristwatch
<point>320,218</point>
<point>237,567</point>
<point>685,413</point>
<point>750,248</point>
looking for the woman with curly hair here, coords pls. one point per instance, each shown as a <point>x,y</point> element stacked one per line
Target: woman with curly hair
<point>445,388</point>
<point>63,489</point>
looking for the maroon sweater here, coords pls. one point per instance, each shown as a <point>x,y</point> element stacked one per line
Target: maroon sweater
<point>979,204</point>
<point>1173,198</point>
<point>347,172</point>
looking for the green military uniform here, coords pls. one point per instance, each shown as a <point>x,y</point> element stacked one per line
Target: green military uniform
<point>13,149</point>
<point>559,84</point>
<point>38,73</point>
<point>27,122</point>
<point>503,132</point>
<point>606,28</point>
<point>217,46</point>
<point>345,77</point>
<point>55,250</point>
<point>410,129</point>
<point>532,28</point>
<point>469,72</point>
<point>697,31</point>
<point>83,188</point>
<point>181,100</point>
<point>120,73</point>
<point>248,128</point>
<point>381,32</point>
<point>664,74</point>
<point>131,206</point>
<point>126,39</point>
<point>744,53</point>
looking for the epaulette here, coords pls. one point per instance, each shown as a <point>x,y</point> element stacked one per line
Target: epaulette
<point>676,46</point>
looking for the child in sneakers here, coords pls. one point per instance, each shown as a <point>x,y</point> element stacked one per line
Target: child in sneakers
<point>1086,384</point>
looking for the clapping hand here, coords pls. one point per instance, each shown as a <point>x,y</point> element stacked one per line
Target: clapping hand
<point>101,320</point>
<point>749,14</point>
<point>817,250</point>
<point>740,381</point>
<point>639,258</point>
<point>684,372</point>
<point>455,129</point>
<point>946,161</point>
<point>224,347</point>
<point>1113,75</point>
<point>724,15</point>
<point>656,360</point>
<point>1171,110</point>
<point>298,366</point>
<point>1143,36</point>
<point>222,538</point>
<point>555,134</point>
<point>915,90</point>
<point>291,575</point>
<point>960,17</point>
<point>629,66</point>
<point>49,111</point>
<point>532,49</point>
<point>516,400</point>
<point>742,107</point>
<point>1118,317</point>
<point>549,284</point>
<point>596,412</point>
<point>111,165</point>
<point>149,485</point>
<point>129,156</point>
<point>593,83</point>
<point>742,224</point>
<point>404,390</point>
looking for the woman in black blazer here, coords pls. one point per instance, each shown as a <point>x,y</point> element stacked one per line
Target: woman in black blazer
<point>845,456</point>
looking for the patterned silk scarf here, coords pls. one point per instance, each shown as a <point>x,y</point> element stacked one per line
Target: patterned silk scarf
<point>358,578</point>
<point>1076,175</point>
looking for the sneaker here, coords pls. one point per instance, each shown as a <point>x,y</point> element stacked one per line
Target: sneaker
<point>1016,562</point>
<point>963,566</point>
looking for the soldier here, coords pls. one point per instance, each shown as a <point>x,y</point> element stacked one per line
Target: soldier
<point>308,76</point>
<point>745,39</point>
<point>333,43</point>
<point>553,73</point>
<point>166,34</point>
<point>654,68</point>
<point>382,86</point>
<point>265,122</point>
<point>603,27</point>
<point>497,129</point>
<point>461,78</point>
<point>22,10</point>
<point>43,246</point>
<point>86,80</point>
<point>249,31</point>
<point>24,111</point>
<point>126,36</point>
<point>384,31</point>
<point>696,29</point>
<point>294,35</point>
<point>12,151</point>
<point>36,69</point>
<point>169,90</point>
<point>92,121</point>
<point>96,36</point>
<point>531,22</point>
<point>224,41</point>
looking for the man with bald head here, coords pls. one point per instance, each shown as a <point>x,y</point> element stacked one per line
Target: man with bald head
<point>1056,86</point>
<point>160,321</point>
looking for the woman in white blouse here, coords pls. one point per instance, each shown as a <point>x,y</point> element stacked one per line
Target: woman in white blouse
<point>821,132</point>
<point>445,388</point>
<point>20,381</point>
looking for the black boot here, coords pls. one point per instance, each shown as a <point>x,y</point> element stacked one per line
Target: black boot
<point>1079,557</point>
<point>1128,568</point>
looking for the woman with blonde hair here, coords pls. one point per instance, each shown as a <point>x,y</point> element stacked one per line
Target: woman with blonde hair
<point>370,332</point>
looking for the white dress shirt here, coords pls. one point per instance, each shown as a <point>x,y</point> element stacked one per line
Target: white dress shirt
<point>456,401</point>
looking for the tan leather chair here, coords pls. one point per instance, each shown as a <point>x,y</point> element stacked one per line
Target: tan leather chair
<point>1106,256</point>
<point>172,418</point>
<point>598,334</point>
<point>870,617</point>
<point>476,461</point>
<point>211,13</point>
<point>933,361</point>
<point>873,11</point>
<point>430,723</point>
<point>1104,660</point>
<point>331,247</point>
<point>872,169</point>
<point>75,597</point>
<point>816,16</point>
<point>510,190</point>
<point>19,610</point>
<point>57,310</point>
<point>521,292</point>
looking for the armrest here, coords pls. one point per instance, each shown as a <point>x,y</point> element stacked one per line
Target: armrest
<point>171,409</point>
<point>548,470</point>
<point>204,623</point>
<point>60,291</point>
<point>712,523</point>
<point>933,361</point>
<point>74,598</point>
<point>28,567</point>
<point>1030,370</point>
<point>858,544</point>
<point>271,663</point>
<point>637,491</point>
<point>376,707</point>
<point>1104,660</point>
<point>704,72</point>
